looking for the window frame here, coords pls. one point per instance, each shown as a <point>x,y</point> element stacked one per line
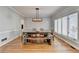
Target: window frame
<point>68,25</point>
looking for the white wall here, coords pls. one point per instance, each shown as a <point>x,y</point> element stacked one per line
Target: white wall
<point>29,25</point>
<point>9,25</point>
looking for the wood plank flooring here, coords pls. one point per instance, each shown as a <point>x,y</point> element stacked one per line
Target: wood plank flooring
<point>57,46</point>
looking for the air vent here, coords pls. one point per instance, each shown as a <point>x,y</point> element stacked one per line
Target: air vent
<point>3,39</point>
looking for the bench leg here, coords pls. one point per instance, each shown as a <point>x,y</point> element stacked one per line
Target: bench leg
<point>49,41</point>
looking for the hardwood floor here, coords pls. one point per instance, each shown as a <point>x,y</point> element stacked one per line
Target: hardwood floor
<point>57,46</point>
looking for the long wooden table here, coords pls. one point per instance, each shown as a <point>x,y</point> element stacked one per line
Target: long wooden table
<point>37,40</point>
<point>36,37</point>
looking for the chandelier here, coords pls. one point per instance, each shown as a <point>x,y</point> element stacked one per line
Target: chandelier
<point>37,18</point>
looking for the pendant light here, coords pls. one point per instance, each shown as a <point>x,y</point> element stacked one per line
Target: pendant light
<point>37,18</point>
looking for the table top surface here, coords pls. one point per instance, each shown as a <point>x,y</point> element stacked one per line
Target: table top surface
<point>37,38</point>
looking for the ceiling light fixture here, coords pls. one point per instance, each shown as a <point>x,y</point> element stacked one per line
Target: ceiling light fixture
<point>37,18</point>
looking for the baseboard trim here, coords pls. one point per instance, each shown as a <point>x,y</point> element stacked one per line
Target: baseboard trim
<point>74,46</point>
<point>9,40</point>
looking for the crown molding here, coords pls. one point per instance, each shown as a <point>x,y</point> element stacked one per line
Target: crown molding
<point>19,13</point>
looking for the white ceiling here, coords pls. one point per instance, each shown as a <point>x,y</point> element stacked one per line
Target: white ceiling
<point>29,11</point>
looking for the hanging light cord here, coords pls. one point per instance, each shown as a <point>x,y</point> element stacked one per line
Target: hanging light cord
<point>37,13</point>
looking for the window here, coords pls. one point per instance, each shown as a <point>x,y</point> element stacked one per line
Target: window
<point>64,26</point>
<point>73,25</point>
<point>67,26</point>
<point>59,26</point>
<point>55,26</point>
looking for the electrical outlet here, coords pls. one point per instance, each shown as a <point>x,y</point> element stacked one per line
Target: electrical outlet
<point>3,39</point>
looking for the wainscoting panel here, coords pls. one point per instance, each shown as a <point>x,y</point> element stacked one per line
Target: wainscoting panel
<point>8,36</point>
